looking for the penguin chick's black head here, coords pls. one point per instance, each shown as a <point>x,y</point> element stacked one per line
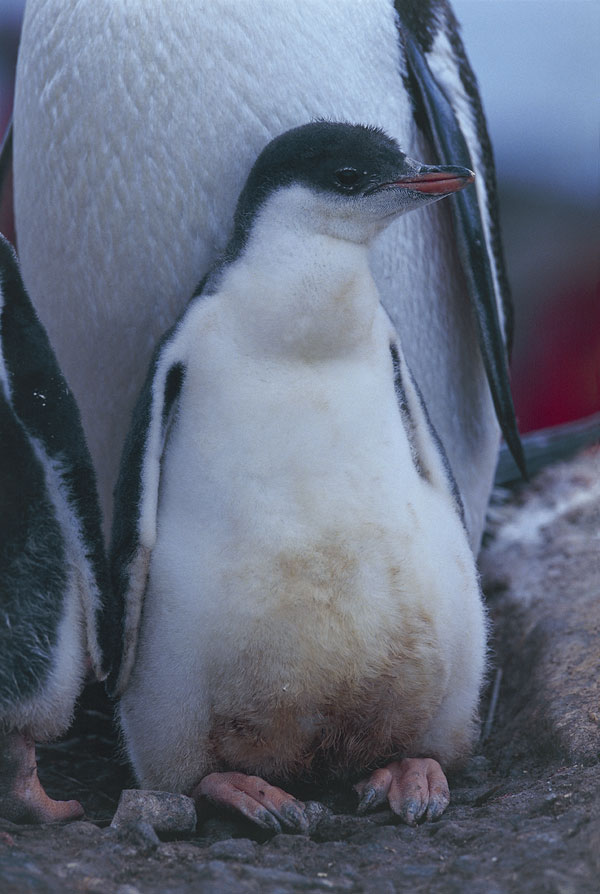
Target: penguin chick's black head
<point>359,168</point>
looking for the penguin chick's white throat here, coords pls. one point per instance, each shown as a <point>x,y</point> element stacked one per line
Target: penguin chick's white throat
<point>294,536</point>
<point>315,197</point>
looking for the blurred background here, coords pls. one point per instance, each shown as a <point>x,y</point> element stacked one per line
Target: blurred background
<point>538,66</point>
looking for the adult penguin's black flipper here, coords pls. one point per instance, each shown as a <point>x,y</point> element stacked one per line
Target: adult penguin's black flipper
<point>447,137</point>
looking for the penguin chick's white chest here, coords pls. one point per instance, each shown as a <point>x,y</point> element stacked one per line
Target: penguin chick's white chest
<point>310,572</point>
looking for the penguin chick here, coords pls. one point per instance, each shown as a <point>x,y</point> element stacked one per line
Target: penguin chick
<point>53,573</point>
<point>297,592</point>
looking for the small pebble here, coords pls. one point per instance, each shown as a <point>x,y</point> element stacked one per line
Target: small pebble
<point>163,811</point>
<point>139,834</point>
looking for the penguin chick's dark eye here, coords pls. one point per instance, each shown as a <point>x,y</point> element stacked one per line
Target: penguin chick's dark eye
<point>347,176</point>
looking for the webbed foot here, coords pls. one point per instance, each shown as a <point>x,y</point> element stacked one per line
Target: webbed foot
<point>22,798</point>
<point>415,788</point>
<point>266,805</point>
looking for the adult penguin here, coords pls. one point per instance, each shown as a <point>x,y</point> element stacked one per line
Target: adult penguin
<point>53,577</point>
<point>120,106</point>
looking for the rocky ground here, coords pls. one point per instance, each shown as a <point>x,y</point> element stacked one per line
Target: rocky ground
<point>525,812</point>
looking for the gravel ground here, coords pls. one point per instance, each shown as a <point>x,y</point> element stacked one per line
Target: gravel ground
<point>525,811</point>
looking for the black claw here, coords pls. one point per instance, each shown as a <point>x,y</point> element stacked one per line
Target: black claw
<point>436,808</point>
<point>434,812</point>
<point>266,819</point>
<point>412,811</point>
<point>293,815</point>
<point>368,800</point>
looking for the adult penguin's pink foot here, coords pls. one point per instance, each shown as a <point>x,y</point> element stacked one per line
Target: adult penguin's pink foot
<point>415,788</point>
<point>22,798</point>
<point>266,805</point>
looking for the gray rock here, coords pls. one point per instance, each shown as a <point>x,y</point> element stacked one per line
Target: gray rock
<point>291,844</point>
<point>240,849</point>
<point>317,813</point>
<point>135,836</point>
<point>164,811</point>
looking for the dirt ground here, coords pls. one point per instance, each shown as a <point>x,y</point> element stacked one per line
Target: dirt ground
<point>525,811</point>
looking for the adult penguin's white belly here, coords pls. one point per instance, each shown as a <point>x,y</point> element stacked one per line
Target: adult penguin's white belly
<point>135,127</point>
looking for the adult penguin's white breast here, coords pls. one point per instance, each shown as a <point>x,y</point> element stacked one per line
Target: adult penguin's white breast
<point>135,126</point>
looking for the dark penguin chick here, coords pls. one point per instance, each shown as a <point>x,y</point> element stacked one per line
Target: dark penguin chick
<point>297,594</point>
<point>53,575</point>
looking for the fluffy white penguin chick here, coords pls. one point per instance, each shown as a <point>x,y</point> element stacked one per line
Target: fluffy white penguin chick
<point>295,585</point>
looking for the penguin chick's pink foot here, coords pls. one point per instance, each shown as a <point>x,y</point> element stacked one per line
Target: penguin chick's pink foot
<point>22,798</point>
<point>415,788</point>
<point>266,805</point>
